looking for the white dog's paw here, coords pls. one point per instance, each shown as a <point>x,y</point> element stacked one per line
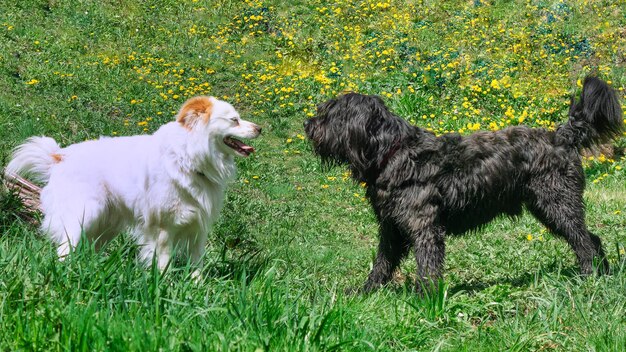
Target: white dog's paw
<point>196,275</point>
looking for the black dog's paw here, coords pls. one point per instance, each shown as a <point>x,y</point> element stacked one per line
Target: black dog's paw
<point>361,290</point>
<point>603,267</point>
<point>429,288</point>
<point>353,291</point>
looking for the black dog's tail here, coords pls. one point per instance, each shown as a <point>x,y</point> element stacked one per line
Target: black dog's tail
<point>595,119</point>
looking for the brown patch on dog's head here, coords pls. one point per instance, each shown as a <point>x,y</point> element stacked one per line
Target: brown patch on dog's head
<point>57,158</point>
<point>194,110</point>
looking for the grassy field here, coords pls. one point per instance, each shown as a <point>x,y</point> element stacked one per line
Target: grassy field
<point>294,237</point>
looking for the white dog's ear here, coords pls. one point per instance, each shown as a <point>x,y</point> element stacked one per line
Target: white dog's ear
<point>194,110</point>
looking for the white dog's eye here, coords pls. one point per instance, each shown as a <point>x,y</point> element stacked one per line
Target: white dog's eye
<point>234,119</point>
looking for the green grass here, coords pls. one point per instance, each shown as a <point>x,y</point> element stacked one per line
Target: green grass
<point>293,237</point>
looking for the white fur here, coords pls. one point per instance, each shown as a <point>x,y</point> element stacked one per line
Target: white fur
<point>167,187</point>
<point>34,158</point>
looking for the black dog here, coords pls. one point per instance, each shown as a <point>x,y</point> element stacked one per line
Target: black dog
<point>423,187</point>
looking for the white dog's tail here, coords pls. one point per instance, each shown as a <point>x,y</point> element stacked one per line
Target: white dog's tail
<point>35,157</point>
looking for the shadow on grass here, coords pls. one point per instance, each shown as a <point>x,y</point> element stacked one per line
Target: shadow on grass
<point>408,285</point>
<point>13,212</point>
<point>523,280</point>
<point>247,264</point>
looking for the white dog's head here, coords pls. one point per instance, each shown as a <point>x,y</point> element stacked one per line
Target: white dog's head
<point>220,122</point>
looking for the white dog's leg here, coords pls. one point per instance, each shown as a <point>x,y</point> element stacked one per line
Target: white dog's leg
<point>196,252</point>
<point>163,249</point>
<point>65,223</point>
<point>64,249</point>
<point>147,250</point>
<point>155,244</point>
<point>65,238</point>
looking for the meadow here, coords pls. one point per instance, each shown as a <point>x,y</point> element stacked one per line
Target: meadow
<point>294,236</point>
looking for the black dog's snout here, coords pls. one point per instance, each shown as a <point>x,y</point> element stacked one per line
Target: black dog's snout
<point>309,125</point>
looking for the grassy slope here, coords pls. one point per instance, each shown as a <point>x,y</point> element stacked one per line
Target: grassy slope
<point>294,237</point>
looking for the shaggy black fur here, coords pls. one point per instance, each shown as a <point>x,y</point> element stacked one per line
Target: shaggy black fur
<point>423,187</point>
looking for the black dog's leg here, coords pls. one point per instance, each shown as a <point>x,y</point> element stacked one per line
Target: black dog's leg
<point>604,267</point>
<point>391,249</point>
<point>560,208</point>
<point>430,249</point>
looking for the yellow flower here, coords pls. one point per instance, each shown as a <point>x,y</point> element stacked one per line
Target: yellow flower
<point>289,140</point>
<point>255,177</point>
<point>510,113</point>
<point>617,212</point>
<point>325,186</point>
<point>473,126</point>
<point>523,116</point>
<point>529,237</point>
<point>32,82</point>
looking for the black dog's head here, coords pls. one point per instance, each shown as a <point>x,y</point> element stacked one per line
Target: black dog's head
<point>357,130</point>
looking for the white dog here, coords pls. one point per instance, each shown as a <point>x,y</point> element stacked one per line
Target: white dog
<point>168,188</point>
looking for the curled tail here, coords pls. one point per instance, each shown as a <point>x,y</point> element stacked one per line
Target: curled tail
<point>595,119</point>
<point>34,158</point>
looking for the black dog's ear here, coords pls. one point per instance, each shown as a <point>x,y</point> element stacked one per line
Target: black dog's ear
<point>377,116</point>
<point>572,105</point>
<point>324,108</point>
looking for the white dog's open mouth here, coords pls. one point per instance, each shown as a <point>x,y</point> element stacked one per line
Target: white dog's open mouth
<point>240,147</point>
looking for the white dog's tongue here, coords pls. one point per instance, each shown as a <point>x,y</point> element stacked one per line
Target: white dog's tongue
<point>246,148</point>
<point>239,146</point>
